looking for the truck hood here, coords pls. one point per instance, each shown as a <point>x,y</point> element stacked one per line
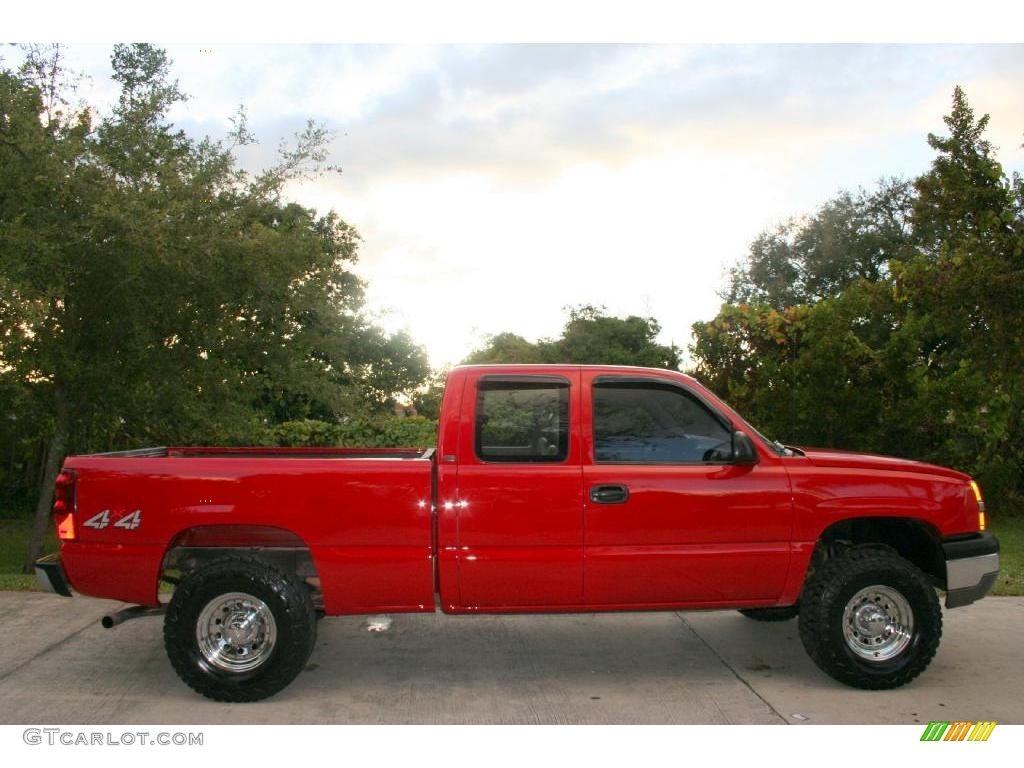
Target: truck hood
<point>827,457</point>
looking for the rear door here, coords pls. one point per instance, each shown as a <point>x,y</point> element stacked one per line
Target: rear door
<point>667,520</point>
<point>519,503</point>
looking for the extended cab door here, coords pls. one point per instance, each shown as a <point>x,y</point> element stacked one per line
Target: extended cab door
<point>667,520</point>
<point>519,503</point>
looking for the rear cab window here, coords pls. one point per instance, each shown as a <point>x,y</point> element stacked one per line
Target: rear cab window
<point>522,419</point>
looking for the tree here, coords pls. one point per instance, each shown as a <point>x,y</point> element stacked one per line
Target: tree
<point>589,336</point>
<point>966,283</point>
<point>427,400</point>
<point>851,237</point>
<point>770,275</point>
<point>508,348</point>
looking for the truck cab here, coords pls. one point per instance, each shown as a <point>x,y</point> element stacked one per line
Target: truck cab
<point>583,488</point>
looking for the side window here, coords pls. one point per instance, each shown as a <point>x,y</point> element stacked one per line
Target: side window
<point>519,421</point>
<point>651,422</point>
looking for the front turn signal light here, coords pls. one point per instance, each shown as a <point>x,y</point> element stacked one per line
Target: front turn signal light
<point>981,505</point>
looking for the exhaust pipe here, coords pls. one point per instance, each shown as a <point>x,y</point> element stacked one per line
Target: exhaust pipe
<point>134,612</point>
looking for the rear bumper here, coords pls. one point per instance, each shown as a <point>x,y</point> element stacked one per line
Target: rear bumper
<point>972,566</point>
<point>51,577</point>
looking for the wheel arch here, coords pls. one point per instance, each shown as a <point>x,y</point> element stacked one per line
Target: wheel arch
<point>196,546</point>
<point>915,540</point>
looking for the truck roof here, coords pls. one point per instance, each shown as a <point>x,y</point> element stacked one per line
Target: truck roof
<point>571,366</point>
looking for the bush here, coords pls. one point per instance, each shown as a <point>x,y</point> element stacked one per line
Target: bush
<point>365,432</point>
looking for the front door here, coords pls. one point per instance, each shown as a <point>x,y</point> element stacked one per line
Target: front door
<point>519,504</point>
<point>667,520</point>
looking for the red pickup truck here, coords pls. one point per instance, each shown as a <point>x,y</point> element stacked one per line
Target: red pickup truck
<point>551,489</point>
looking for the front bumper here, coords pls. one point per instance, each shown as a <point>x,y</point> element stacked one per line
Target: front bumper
<point>972,566</point>
<point>51,577</point>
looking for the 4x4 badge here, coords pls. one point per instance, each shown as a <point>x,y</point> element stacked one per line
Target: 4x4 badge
<point>100,521</point>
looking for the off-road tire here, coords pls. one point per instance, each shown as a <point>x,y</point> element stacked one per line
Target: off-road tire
<point>294,617</point>
<point>780,613</point>
<point>825,597</point>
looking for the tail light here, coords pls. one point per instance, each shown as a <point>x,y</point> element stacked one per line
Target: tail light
<point>64,505</point>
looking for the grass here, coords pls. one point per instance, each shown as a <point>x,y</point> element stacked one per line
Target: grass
<point>14,538</point>
<point>13,542</point>
<point>1010,532</point>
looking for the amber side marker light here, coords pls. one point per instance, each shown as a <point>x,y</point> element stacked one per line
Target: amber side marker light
<point>981,505</point>
<point>64,506</point>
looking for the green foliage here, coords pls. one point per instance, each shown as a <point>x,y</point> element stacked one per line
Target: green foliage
<point>590,336</point>
<point>427,399</point>
<point>509,348</point>
<point>14,536</point>
<point>365,432</point>
<point>850,238</point>
<point>890,320</point>
<point>1010,532</point>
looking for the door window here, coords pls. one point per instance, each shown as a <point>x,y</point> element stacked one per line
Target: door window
<point>648,422</point>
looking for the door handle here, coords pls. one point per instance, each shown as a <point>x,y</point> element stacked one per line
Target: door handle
<point>609,494</point>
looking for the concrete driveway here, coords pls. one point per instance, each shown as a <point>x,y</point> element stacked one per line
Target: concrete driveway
<point>57,665</point>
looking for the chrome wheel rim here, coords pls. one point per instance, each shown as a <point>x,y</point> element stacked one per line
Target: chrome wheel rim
<point>236,632</point>
<point>878,623</point>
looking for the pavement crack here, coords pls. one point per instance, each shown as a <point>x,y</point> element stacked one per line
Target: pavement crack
<point>730,667</point>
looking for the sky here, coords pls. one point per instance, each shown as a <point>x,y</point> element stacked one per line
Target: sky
<point>494,186</point>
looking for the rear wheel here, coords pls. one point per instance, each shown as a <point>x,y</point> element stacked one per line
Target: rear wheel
<point>238,629</point>
<point>781,613</point>
<point>870,619</point>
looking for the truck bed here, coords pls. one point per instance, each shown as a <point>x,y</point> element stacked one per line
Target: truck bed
<point>363,514</point>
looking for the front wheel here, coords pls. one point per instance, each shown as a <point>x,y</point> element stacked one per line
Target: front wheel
<point>238,629</point>
<point>870,619</point>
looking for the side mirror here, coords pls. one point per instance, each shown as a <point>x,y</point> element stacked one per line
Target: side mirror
<point>743,450</point>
